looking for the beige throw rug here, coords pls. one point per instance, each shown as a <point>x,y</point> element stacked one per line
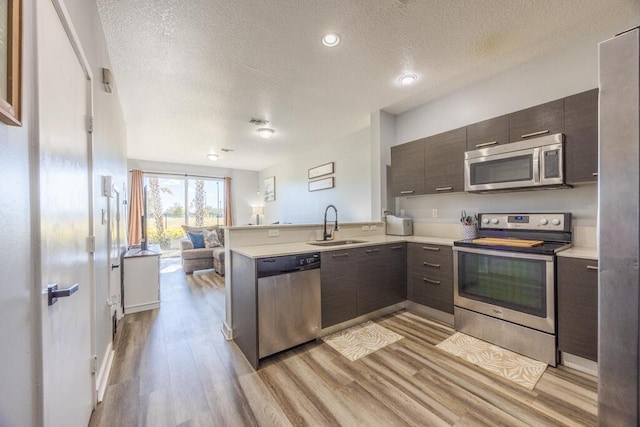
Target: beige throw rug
<point>507,364</point>
<point>361,340</point>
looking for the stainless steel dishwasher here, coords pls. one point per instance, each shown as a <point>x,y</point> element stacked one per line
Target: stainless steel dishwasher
<point>288,301</point>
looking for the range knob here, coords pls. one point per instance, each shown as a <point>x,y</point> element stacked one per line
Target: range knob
<point>485,220</point>
<point>555,221</point>
<point>543,221</point>
<point>495,221</point>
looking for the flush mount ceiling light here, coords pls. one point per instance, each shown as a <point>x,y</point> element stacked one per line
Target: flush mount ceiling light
<point>407,79</point>
<point>330,40</point>
<point>213,157</point>
<point>265,133</point>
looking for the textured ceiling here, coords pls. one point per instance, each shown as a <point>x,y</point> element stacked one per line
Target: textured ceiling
<point>192,73</point>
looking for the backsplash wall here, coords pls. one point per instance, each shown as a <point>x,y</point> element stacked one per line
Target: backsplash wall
<point>581,201</point>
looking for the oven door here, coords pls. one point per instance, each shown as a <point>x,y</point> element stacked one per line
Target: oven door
<point>502,171</point>
<point>514,286</point>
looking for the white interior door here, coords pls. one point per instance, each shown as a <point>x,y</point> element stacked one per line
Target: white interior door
<point>64,96</point>
<point>115,280</point>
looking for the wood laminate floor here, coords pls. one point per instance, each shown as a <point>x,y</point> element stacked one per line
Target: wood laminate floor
<point>173,367</point>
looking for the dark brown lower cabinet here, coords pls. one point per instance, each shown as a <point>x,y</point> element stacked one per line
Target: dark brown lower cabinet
<point>578,307</point>
<point>361,280</point>
<point>381,277</point>
<point>430,276</point>
<point>338,274</point>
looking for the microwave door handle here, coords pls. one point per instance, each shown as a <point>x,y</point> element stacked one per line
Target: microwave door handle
<point>536,165</point>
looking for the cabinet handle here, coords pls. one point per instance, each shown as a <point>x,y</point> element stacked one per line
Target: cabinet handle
<point>428,264</point>
<point>592,267</point>
<point>395,247</point>
<point>486,144</point>
<point>435,282</point>
<point>595,174</point>
<point>529,135</point>
<point>372,250</point>
<point>407,192</point>
<point>444,188</point>
<point>339,255</point>
<point>430,248</point>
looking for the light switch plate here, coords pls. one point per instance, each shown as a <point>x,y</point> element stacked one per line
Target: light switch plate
<point>274,233</point>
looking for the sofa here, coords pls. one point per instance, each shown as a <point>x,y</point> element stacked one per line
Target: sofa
<point>202,258</point>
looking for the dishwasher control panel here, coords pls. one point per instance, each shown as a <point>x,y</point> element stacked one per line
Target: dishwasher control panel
<point>286,264</point>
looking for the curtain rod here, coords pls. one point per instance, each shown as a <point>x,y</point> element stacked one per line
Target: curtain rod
<point>181,174</point>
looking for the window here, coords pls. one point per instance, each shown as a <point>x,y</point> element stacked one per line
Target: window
<point>173,201</point>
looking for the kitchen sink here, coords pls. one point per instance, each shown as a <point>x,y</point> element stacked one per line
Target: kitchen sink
<point>336,242</point>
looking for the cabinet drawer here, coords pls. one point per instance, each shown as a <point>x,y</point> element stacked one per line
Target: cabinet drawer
<point>435,254</point>
<point>488,133</point>
<point>578,307</point>
<point>544,119</point>
<point>433,293</point>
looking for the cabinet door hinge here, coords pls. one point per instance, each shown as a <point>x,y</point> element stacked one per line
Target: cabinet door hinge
<point>94,364</point>
<point>91,244</point>
<point>90,124</point>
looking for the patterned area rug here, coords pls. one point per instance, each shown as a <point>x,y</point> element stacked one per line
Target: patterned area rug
<point>361,340</point>
<point>507,364</point>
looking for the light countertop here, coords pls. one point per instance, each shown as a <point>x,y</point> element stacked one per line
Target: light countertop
<point>580,252</point>
<point>263,251</point>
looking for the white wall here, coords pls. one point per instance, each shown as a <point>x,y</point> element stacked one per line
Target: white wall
<point>244,183</point>
<point>19,302</point>
<point>109,158</point>
<point>556,75</point>
<point>353,184</point>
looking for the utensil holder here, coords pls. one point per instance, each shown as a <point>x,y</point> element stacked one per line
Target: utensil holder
<point>469,231</point>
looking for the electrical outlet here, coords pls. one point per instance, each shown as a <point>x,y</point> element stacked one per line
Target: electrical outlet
<point>373,228</point>
<point>365,228</point>
<point>434,213</point>
<point>274,233</point>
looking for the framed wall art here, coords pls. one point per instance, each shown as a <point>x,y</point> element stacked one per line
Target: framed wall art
<point>321,170</point>
<point>321,184</point>
<point>270,189</point>
<point>10,61</point>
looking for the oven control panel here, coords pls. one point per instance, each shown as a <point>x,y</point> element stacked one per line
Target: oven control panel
<point>539,221</point>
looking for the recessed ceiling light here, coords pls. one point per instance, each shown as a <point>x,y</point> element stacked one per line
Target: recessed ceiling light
<point>265,133</point>
<point>213,157</point>
<point>330,40</point>
<point>407,79</point>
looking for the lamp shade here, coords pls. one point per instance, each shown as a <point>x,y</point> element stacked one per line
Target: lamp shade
<point>257,210</point>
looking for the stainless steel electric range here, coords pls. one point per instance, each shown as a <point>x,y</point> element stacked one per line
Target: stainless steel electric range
<point>505,281</point>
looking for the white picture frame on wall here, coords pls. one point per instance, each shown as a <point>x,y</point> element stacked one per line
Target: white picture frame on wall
<point>270,189</point>
<point>322,184</point>
<point>321,170</point>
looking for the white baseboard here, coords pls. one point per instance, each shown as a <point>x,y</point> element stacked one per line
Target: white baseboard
<point>103,374</point>
<point>227,331</point>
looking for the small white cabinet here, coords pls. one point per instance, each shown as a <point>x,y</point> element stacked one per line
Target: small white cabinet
<point>141,280</point>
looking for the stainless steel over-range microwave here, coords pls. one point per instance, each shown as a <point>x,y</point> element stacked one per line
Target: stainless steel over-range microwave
<point>537,162</point>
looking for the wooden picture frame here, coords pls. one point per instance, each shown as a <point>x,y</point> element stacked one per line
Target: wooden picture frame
<point>322,184</point>
<point>11,64</point>
<point>321,170</point>
<point>270,189</point>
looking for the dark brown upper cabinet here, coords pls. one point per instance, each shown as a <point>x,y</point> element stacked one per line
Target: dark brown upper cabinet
<point>488,133</point>
<point>444,162</point>
<point>543,119</point>
<point>581,137</point>
<point>407,168</point>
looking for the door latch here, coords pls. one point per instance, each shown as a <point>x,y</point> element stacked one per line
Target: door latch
<point>54,293</point>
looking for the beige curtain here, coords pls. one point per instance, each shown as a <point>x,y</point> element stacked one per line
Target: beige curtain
<point>228,217</point>
<point>136,209</point>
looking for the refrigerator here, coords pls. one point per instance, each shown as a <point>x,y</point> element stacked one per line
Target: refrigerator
<point>618,229</point>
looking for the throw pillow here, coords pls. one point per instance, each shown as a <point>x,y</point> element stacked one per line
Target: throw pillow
<point>197,239</point>
<point>211,239</point>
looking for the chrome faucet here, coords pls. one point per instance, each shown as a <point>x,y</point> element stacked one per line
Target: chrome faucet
<point>325,235</point>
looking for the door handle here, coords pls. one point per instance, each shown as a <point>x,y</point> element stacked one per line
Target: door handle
<point>53,293</point>
<point>114,266</point>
